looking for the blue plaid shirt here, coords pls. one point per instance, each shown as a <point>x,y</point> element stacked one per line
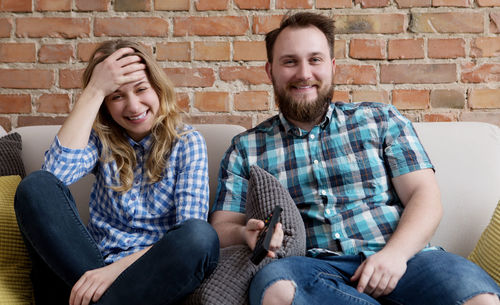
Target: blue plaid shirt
<point>339,174</point>
<point>124,223</point>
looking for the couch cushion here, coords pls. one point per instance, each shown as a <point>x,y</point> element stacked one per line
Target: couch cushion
<point>486,252</point>
<point>10,155</point>
<point>15,266</point>
<point>230,280</point>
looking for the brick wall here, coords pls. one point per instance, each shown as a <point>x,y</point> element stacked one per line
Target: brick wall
<point>435,60</point>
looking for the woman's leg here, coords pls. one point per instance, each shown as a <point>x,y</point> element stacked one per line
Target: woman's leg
<point>57,240</point>
<point>174,267</point>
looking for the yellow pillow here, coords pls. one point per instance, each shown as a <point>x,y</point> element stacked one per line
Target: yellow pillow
<point>486,252</point>
<point>15,266</point>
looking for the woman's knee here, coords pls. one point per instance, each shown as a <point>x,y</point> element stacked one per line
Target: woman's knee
<point>32,189</point>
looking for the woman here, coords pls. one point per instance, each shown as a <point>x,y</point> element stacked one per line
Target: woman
<point>147,241</point>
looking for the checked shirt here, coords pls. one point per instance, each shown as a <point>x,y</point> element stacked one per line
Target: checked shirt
<point>339,174</point>
<point>124,223</point>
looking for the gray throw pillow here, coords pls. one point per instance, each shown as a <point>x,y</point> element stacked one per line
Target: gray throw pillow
<point>10,155</point>
<point>229,283</point>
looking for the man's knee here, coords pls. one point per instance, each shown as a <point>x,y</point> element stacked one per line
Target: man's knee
<point>483,299</point>
<point>279,293</point>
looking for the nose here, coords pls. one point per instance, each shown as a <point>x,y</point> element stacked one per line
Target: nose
<point>304,71</point>
<point>133,103</point>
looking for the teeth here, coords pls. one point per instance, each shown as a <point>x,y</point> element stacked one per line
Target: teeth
<point>133,118</point>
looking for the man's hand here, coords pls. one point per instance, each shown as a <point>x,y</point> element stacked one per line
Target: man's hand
<point>92,285</point>
<point>379,274</point>
<point>252,231</point>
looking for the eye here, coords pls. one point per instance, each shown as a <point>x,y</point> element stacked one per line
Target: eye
<point>316,60</point>
<point>288,62</point>
<point>115,97</point>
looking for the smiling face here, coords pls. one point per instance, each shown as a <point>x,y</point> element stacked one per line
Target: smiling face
<point>302,73</point>
<point>134,106</point>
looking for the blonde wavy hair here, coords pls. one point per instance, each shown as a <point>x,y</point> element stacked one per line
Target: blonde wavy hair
<point>164,130</point>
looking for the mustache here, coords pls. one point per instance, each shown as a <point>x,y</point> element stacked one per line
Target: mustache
<point>304,84</point>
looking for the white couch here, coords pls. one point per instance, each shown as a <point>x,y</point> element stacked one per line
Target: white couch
<point>466,156</point>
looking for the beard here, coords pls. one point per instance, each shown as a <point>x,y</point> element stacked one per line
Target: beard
<point>300,109</point>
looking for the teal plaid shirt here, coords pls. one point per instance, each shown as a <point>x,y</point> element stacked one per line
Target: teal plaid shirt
<point>339,174</point>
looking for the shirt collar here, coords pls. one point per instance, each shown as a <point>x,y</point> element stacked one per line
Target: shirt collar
<point>145,143</point>
<point>292,129</point>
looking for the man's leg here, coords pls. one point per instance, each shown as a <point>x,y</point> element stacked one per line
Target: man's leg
<point>314,281</point>
<point>174,267</point>
<point>57,241</point>
<point>439,277</point>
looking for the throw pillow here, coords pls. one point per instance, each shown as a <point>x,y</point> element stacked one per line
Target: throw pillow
<point>485,254</point>
<point>15,265</point>
<point>10,155</point>
<point>228,284</point>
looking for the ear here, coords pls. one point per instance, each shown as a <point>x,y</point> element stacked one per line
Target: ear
<point>333,66</point>
<point>268,71</point>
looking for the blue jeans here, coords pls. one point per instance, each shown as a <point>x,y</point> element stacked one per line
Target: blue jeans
<point>432,277</point>
<point>62,250</point>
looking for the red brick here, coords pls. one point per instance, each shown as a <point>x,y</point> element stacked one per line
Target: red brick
<point>211,5</point>
<point>289,4</point>
<point>448,98</point>
<point>26,79</point>
<point>370,23</point>
<point>15,6</point>
<point>92,5</point>
<point>53,5</point>
<point>174,51</point>
<point>420,73</point>
<point>406,48</point>
<point>413,3</point>
<point>372,3</point>
<point>172,5</point>
<point>485,47</point>
<point>455,3</point>
<point>6,124</point>
<point>485,73</point>
<point>211,101</point>
<point>339,49</point>
<point>131,26</point>
<point>212,50</point>
<point>265,24</point>
<point>10,103</point>
<point>55,27</point>
<point>253,5</point>
<point>191,77</point>
<point>17,52</point>
<point>70,79</point>
<point>446,48</point>
<point>341,96</point>
<point>487,117</point>
<point>211,26</point>
<point>333,3</point>
<point>55,53</point>
<point>261,117</point>
<point>488,2</point>
<point>183,101</point>
<point>53,103</point>
<point>132,5</point>
<point>86,49</point>
<point>484,98</point>
<point>355,75</point>
<point>244,121</point>
<point>367,49</point>
<point>379,96</point>
<point>494,22</point>
<point>39,120</point>
<point>251,101</point>
<point>455,22</point>
<point>410,99</point>
<point>249,50</point>
<point>248,75</point>
<point>440,117</point>
<point>5,27</point>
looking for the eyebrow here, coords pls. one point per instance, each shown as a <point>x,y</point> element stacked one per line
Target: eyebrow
<point>295,56</point>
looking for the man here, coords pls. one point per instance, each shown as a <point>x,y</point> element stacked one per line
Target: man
<point>362,181</point>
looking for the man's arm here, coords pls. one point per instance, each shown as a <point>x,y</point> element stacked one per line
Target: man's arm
<point>419,193</point>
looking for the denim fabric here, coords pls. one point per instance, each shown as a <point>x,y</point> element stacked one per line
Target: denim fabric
<point>432,277</point>
<point>62,250</point>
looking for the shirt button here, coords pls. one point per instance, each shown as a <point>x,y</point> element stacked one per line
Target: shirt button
<point>316,162</point>
<point>312,137</point>
<point>337,235</point>
<point>323,192</point>
<point>133,197</point>
<point>328,211</point>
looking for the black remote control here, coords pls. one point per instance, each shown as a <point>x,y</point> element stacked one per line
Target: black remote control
<point>264,240</point>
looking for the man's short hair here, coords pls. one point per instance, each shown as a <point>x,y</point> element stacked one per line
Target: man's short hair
<point>302,20</point>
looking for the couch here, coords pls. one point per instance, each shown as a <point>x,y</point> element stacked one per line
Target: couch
<point>466,156</point>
